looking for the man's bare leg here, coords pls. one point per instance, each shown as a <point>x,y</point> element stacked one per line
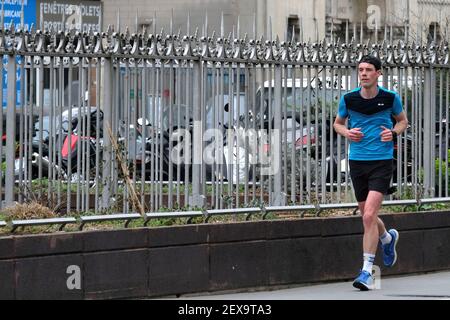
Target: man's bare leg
<point>372,222</point>
<point>381,227</point>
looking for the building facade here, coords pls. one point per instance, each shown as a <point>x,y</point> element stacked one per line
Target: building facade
<point>157,14</point>
<point>304,20</point>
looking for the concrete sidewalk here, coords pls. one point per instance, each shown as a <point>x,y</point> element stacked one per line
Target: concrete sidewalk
<point>434,286</point>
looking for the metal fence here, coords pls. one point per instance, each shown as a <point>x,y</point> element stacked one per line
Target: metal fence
<point>120,122</point>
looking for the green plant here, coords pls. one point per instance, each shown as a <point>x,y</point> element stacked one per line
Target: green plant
<point>442,169</point>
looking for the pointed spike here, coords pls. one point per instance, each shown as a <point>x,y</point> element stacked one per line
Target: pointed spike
<point>346,31</point>
<point>293,34</point>
<point>196,33</point>
<point>362,33</point>
<point>3,14</point>
<point>301,29</point>
<point>81,21</point>
<point>385,32</point>
<point>22,15</point>
<point>406,33</point>
<point>435,32</point>
<point>136,23</point>
<point>317,32</point>
<point>206,24</point>
<point>222,26</point>
<point>391,34</point>
<point>154,22</point>
<point>64,21</point>
<point>239,27</point>
<point>332,29</point>
<point>270,29</point>
<point>188,27</point>
<point>376,31</point>
<point>213,34</point>
<point>254,26</point>
<point>171,23</point>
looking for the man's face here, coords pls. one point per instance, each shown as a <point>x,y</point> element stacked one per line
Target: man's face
<point>368,75</point>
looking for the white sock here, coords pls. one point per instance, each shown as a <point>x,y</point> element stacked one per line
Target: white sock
<point>386,238</point>
<point>369,260</point>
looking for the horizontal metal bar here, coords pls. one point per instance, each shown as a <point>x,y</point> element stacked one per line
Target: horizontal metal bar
<point>165,215</point>
<point>435,200</point>
<point>338,206</point>
<point>113,217</point>
<point>400,203</point>
<point>42,222</point>
<point>288,209</point>
<point>233,211</point>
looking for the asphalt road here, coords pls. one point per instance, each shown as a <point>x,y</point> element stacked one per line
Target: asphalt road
<point>434,286</point>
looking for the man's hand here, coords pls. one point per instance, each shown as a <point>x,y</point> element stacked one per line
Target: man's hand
<point>386,135</point>
<point>355,135</point>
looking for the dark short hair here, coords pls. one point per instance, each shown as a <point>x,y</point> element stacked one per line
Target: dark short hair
<point>373,61</point>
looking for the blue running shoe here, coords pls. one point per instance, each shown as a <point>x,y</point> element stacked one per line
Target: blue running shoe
<point>364,282</point>
<point>389,250</point>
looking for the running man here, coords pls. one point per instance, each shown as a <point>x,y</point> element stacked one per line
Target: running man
<point>369,111</point>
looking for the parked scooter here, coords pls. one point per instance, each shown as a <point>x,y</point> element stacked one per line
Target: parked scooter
<point>65,164</point>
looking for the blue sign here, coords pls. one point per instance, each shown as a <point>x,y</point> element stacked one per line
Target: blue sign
<point>13,13</point>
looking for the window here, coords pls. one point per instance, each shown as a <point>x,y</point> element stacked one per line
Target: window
<point>434,33</point>
<point>293,26</point>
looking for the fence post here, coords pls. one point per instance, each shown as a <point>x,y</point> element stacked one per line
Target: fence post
<point>279,198</point>
<point>354,78</point>
<point>107,123</point>
<point>10,131</point>
<point>428,128</point>
<point>197,199</point>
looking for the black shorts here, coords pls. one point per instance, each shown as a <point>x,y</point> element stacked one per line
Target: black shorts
<point>371,176</point>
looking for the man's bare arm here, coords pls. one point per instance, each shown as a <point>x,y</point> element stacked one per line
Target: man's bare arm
<point>402,123</point>
<point>400,127</point>
<point>354,135</point>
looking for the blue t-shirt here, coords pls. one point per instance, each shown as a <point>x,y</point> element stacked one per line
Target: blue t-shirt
<point>370,115</point>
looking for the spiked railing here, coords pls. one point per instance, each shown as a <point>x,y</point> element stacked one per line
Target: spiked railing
<point>255,54</point>
<point>210,47</point>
